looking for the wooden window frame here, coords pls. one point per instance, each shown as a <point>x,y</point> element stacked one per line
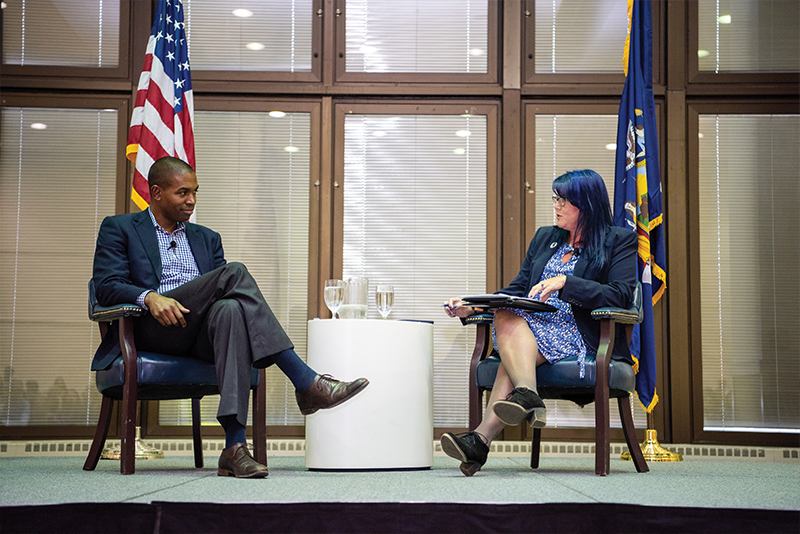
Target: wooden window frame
<point>692,247</point>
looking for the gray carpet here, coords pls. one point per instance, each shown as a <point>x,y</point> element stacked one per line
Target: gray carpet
<point>717,483</point>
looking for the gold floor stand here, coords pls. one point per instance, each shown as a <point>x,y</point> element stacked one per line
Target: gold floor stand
<point>653,451</point>
<point>143,450</point>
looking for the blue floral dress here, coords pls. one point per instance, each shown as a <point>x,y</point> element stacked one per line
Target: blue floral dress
<point>556,333</point>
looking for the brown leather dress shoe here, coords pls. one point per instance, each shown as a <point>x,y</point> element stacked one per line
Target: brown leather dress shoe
<point>327,392</point>
<point>236,461</point>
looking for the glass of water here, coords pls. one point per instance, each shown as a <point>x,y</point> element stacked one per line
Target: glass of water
<point>384,299</point>
<point>334,295</point>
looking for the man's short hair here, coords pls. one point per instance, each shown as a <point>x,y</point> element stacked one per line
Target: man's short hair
<point>165,169</point>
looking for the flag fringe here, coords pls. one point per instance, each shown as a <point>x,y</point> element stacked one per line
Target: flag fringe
<point>649,408</point>
<point>131,151</point>
<point>138,200</point>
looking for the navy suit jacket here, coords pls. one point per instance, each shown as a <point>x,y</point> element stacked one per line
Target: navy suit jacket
<point>127,262</point>
<point>585,290</point>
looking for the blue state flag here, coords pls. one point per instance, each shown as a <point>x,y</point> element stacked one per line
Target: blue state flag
<point>637,189</point>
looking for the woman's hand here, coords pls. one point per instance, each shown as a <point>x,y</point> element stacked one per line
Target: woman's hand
<point>545,288</point>
<point>453,308</point>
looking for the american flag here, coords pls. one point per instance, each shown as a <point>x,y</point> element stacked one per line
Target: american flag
<point>162,119</point>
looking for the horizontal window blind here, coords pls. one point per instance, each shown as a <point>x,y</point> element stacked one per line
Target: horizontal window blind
<point>57,182</point>
<point>73,33</point>
<point>250,35</point>
<point>415,216</point>
<point>445,36</point>
<point>253,172</point>
<point>580,36</point>
<point>565,143</point>
<point>749,292</point>
<point>748,35</point>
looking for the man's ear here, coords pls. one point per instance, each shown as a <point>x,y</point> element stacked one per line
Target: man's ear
<point>155,192</point>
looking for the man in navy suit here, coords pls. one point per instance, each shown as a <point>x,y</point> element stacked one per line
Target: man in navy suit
<point>200,306</point>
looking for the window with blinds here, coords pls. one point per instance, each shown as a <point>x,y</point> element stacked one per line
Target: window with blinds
<point>57,183</point>
<point>253,170</point>
<point>250,35</point>
<point>73,33</point>
<point>580,36</point>
<point>415,191</point>
<point>748,35</point>
<point>420,36</point>
<point>565,143</point>
<point>748,198</point>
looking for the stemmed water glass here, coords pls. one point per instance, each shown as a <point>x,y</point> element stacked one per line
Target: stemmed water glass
<point>334,295</point>
<point>384,299</point>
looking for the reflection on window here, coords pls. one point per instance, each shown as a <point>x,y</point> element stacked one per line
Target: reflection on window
<point>565,143</point>
<point>250,35</point>
<point>57,183</point>
<point>445,36</point>
<point>254,171</point>
<point>749,291</point>
<point>74,33</point>
<point>415,216</point>
<point>580,36</point>
<point>748,36</point>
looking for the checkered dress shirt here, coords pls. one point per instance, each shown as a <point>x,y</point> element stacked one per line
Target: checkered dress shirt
<point>178,265</point>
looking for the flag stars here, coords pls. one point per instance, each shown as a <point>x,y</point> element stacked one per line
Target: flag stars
<point>171,56</point>
<point>176,103</point>
<point>179,84</point>
<point>160,35</point>
<point>169,19</point>
<point>169,38</point>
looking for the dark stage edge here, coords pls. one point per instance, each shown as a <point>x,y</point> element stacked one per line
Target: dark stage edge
<point>179,518</point>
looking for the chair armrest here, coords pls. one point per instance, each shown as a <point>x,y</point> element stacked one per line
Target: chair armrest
<point>477,318</point>
<point>104,314</point>
<point>632,315</point>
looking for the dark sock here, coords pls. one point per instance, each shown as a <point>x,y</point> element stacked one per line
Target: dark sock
<point>234,431</point>
<point>301,375</point>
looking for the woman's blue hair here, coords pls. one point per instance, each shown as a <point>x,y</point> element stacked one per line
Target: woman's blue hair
<point>587,191</point>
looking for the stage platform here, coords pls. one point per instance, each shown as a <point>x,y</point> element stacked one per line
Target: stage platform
<point>53,494</point>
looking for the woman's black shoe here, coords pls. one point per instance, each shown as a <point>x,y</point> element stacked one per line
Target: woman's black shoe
<point>521,404</point>
<point>468,448</point>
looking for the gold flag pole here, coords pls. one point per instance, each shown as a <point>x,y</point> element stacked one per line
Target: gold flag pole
<point>142,451</point>
<point>651,449</point>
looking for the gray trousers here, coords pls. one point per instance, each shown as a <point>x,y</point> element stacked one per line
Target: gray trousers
<point>229,323</point>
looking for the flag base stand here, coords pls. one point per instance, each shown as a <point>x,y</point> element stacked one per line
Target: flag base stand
<point>142,450</point>
<point>653,451</point>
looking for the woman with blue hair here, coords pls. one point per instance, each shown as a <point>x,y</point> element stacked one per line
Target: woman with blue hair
<point>581,263</point>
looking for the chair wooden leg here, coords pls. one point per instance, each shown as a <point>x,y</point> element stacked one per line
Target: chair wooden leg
<point>630,435</point>
<point>129,397</point>
<point>100,435</point>
<point>260,418</point>
<point>602,454</point>
<point>197,437</point>
<point>536,444</point>
<point>482,340</point>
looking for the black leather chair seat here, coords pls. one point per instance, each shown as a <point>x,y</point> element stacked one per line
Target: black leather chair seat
<point>562,380</point>
<point>162,377</point>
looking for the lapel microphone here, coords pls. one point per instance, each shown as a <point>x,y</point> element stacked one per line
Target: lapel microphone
<point>173,244</point>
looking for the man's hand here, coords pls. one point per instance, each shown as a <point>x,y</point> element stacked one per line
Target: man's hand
<point>167,311</point>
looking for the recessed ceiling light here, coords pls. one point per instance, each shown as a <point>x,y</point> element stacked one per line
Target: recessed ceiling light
<point>702,53</point>
<point>611,146</point>
<point>38,126</point>
<point>460,151</point>
<point>463,133</point>
<point>724,19</point>
<point>277,114</point>
<point>700,135</point>
<point>255,46</point>
<point>291,148</point>
<point>3,5</point>
<point>243,13</point>
<point>476,52</point>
